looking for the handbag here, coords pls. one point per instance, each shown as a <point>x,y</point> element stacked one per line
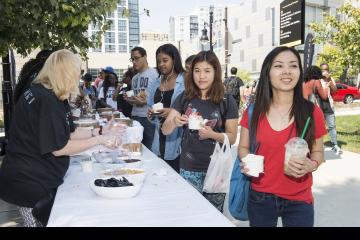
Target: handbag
<point>240,183</point>
<point>217,178</point>
<point>325,105</point>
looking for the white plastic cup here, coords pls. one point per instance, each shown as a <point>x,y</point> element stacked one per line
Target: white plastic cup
<point>296,147</point>
<point>255,164</point>
<point>130,93</point>
<point>86,164</point>
<point>157,107</point>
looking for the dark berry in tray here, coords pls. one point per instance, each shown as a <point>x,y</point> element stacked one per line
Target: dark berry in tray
<point>113,182</point>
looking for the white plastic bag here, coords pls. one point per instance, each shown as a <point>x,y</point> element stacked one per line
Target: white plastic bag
<point>217,179</point>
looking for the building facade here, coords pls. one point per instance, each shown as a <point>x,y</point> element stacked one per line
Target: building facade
<point>117,42</point>
<point>183,28</point>
<point>124,32</point>
<point>254,28</point>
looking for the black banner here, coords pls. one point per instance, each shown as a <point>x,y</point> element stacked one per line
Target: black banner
<point>292,22</point>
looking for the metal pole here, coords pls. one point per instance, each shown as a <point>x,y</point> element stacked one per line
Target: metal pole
<point>211,26</point>
<point>226,42</point>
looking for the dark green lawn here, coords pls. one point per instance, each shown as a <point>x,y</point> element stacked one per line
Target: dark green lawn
<point>348,133</point>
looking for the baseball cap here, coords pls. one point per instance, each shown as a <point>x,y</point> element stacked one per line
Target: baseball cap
<point>109,69</point>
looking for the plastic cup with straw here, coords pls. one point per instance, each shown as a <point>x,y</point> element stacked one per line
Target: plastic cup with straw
<point>297,146</point>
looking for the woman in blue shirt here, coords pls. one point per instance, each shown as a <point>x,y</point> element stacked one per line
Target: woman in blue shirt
<point>165,90</point>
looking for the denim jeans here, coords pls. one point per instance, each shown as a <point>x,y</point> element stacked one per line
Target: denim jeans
<point>330,121</point>
<point>264,210</point>
<point>149,128</point>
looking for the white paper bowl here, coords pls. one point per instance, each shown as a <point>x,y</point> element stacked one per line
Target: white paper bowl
<point>116,192</point>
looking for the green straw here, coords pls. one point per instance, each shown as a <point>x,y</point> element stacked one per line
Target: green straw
<point>305,128</point>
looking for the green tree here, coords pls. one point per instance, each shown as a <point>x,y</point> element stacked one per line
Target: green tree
<point>343,36</point>
<point>51,24</point>
<point>244,75</point>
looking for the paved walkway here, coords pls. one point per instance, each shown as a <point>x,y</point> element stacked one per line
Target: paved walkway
<point>336,191</point>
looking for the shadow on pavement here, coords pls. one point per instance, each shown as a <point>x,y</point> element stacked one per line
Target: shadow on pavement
<point>337,205</point>
<point>331,155</point>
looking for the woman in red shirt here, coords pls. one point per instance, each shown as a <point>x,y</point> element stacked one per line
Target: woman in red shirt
<point>280,113</point>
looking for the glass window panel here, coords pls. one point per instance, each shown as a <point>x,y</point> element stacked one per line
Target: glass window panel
<point>109,48</point>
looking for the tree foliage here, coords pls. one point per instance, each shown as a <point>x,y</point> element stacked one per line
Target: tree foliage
<point>343,37</point>
<point>244,75</point>
<point>51,24</point>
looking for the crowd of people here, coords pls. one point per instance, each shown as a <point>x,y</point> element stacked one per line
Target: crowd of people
<point>37,156</point>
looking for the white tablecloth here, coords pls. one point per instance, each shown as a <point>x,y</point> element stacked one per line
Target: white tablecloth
<point>164,200</point>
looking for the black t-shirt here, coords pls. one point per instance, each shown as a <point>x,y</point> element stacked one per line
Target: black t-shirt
<point>123,105</point>
<point>165,98</point>
<point>195,153</point>
<point>41,124</point>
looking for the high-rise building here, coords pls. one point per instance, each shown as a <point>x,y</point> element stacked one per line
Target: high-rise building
<point>124,31</point>
<point>183,28</point>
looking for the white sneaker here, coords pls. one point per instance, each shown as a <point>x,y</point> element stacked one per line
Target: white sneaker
<point>337,150</point>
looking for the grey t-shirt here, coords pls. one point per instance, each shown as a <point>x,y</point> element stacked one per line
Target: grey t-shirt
<point>143,81</point>
<point>195,153</point>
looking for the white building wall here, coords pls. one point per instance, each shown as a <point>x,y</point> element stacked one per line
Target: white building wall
<point>246,52</point>
<point>180,28</point>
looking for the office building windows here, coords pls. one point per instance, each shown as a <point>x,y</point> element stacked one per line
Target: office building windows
<point>254,6</point>
<point>253,65</point>
<point>122,25</point>
<point>122,38</point>
<point>267,13</point>
<point>247,31</point>
<point>123,48</point>
<point>273,27</point>
<point>110,37</point>
<point>242,57</point>
<point>109,48</point>
<point>261,40</point>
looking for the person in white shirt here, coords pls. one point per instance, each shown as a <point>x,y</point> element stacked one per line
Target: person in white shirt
<point>107,97</point>
<point>140,84</point>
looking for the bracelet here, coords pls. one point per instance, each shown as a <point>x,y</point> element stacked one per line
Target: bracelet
<point>317,164</point>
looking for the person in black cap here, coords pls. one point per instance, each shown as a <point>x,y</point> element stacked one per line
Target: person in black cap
<point>88,89</point>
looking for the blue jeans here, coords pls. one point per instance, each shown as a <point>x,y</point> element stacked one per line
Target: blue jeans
<point>264,210</point>
<point>330,121</point>
<point>149,128</point>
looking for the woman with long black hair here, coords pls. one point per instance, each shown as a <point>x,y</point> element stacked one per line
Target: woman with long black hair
<point>280,113</point>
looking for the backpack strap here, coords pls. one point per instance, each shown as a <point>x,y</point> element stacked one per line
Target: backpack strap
<point>224,106</point>
<point>253,144</point>
<point>183,102</point>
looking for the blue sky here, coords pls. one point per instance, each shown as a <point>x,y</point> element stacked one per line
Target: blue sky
<point>162,10</point>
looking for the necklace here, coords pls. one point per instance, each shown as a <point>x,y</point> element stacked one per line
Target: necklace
<point>163,84</point>
<point>284,118</point>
